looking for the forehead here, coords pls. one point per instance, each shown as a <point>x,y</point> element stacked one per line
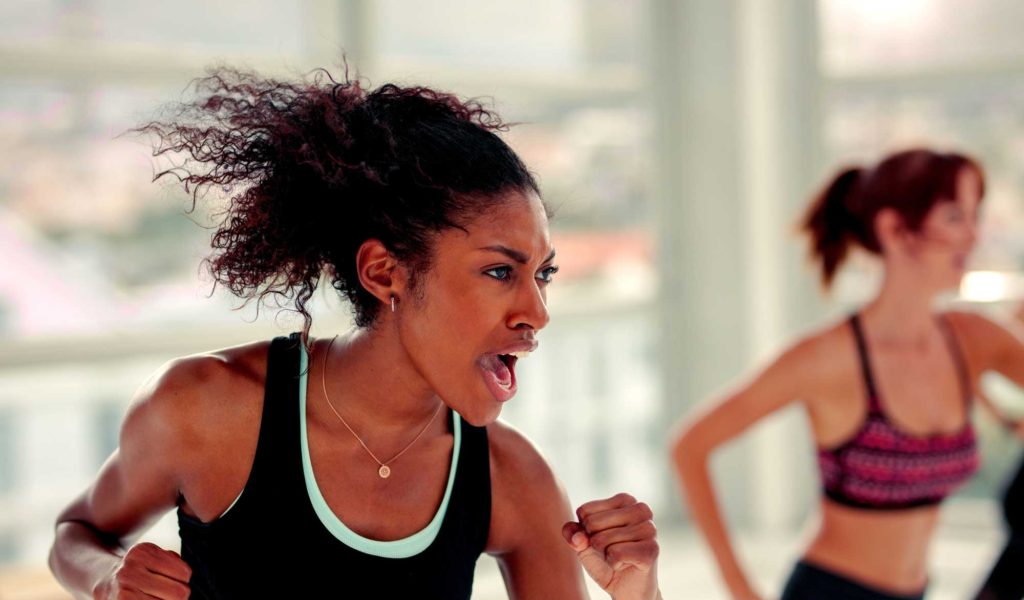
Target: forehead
<point>968,179</point>
<point>968,187</point>
<point>516,219</point>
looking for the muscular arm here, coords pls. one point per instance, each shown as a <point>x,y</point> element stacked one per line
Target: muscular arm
<point>717,423</point>
<point>139,482</point>
<point>540,544</point>
<point>529,508</point>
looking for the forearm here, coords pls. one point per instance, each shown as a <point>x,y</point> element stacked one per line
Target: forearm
<point>80,559</point>
<point>703,506</point>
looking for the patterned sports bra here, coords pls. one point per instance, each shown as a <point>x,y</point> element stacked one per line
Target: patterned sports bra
<point>882,467</point>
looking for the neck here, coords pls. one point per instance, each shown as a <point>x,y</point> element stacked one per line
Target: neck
<point>903,309</point>
<point>373,383</point>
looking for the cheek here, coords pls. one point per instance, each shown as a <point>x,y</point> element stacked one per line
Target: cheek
<point>440,351</point>
<point>459,321</point>
<point>473,309</point>
<point>941,234</point>
<point>445,332</point>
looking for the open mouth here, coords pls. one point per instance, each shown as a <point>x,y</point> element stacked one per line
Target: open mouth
<point>499,371</point>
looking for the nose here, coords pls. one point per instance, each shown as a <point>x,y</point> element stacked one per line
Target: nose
<point>531,308</point>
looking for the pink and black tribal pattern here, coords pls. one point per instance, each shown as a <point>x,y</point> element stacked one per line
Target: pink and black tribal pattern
<point>882,467</point>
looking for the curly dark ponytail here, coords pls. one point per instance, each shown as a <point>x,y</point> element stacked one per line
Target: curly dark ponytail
<point>317,167</point>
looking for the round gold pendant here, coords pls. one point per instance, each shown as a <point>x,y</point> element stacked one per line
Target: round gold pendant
<point>384,471</point>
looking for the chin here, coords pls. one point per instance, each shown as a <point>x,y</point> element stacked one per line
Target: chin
<point>479,416</point>
<point>479,422</point>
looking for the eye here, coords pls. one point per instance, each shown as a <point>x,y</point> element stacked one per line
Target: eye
<point>499,273</point>
<point>547,274</point>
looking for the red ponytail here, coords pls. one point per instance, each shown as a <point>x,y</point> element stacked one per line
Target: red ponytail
<point>829,221</point>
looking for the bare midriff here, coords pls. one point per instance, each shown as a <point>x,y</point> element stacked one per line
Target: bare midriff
<point>884,549</point>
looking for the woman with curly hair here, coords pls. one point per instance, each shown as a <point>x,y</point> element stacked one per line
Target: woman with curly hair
<point>370,463</point>
<point>887,391</point>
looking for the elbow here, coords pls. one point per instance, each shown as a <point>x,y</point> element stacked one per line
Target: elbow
<point>686,448</point>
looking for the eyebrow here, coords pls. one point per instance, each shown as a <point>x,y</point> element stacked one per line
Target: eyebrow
<point>515,255</point>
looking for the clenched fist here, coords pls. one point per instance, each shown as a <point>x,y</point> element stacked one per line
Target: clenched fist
<point>146,571</point>
<point>615,541</point>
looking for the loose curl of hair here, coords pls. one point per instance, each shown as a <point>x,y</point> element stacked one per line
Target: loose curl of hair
<point>314,168</point>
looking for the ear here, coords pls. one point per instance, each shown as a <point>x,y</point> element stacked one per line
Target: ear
<point>890,228</point>
<point>379,271</point>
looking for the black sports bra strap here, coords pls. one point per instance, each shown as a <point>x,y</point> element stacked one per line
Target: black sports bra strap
<point>865,362</point>
<point>958,357</point>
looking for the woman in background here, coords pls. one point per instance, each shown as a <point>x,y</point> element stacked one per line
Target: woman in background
<point>369,463</point>
<point>888,391</point>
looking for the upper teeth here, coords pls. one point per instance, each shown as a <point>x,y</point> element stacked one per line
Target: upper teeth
<point>522,354</point>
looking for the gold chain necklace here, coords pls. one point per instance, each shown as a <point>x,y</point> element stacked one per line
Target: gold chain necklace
<point>385,470</point>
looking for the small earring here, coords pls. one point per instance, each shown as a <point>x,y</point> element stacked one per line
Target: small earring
<point>392,303</point>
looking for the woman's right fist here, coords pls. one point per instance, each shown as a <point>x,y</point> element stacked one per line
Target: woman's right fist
<point>146,571</point>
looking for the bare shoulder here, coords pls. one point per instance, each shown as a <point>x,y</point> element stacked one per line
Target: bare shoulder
<point>516,462</point>
<point>820,355</point>
<point>973,324</point>
<point>983,339</point>
<point>192,401</point>
<point>525,492</point>
<point>188,388</point>
<point>188,429</point>
<point>814,344</point>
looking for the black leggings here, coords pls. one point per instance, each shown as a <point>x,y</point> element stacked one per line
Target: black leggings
<point>1006,581</point>
<point>809,582</point>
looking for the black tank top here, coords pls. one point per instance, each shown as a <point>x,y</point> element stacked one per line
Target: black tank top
<point>273,544</point>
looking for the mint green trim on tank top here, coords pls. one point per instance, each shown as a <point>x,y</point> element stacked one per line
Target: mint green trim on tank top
<point>233,503</point>
<point>403,548</point>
